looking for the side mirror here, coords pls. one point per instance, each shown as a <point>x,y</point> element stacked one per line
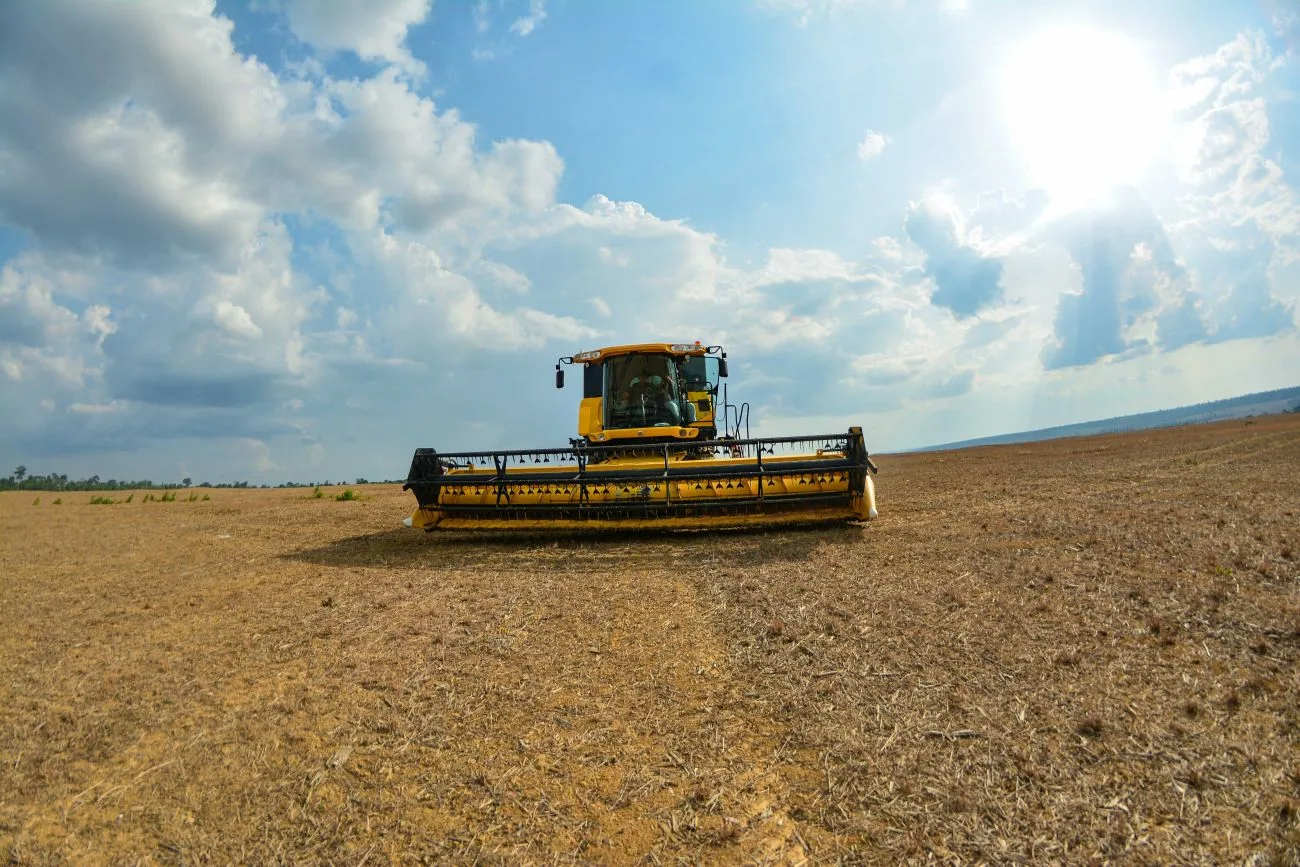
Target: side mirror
<point>722,366</point>
<point>559,377</point>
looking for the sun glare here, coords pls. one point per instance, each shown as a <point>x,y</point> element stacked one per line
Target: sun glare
<point>1084,110</point>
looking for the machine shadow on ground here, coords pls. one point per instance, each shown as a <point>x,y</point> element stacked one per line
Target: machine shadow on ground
<point>405,547</point>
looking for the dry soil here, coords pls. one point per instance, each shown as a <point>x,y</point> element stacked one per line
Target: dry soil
<point>1076,651</point>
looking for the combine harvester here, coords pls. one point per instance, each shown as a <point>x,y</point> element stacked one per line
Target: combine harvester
<point>649,456</point>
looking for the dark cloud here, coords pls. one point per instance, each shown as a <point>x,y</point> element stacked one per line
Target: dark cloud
<point>136,427</point>
<point>1087,327</point>
<point>1180,325</point>
<point>1117,292</point>
<point>80,153</point>
<point>211,391</point>
<point>806,297</point>
<point>73,206</point>
<point>19,324</point>
<point>421,212</point>
<point>953,386</point>
<point>1250,310</point>
<point>965,280</point>
<point>1090,324</point>
<point>881,377</point>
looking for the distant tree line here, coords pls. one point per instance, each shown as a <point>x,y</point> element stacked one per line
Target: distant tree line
<point>21,480</point>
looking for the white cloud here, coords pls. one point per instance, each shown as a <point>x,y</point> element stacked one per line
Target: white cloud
<point>1242,219</point>
<point>504,277</point>
<point>482,16</point>
<point>97,408</point>
<point>806,10</point>
<point>258,455</point>
<point>164,296</point>
<point>235,319</point>
<point>528,23</point>
<point>132,147</point>
<point>29,313</point>
<point>1232,71</point>
<point>97,319</point>
<point>872,146</point>
<point>374,30</point>
<point>1217,142</point>
<point>167,144</point>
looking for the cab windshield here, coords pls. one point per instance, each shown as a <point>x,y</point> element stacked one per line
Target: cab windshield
<point>643,390</point>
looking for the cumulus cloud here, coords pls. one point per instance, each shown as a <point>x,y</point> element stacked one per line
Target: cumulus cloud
<point>235,319</point>
<point>873,145</point>
<point>1250,310</point>
<point>1235,227</point>
<point>1218,141</point>
<point>115,149</point>
<point>29,315</point>
<point>1131,279</point>
<point>1231,72</point>
<point>1138,296</point>
<point>155,162</point>
<point>375,30</point>
<point>166,143</point>
<point>965,280</point>
<point>169,181</point>
<point>1243,221</point>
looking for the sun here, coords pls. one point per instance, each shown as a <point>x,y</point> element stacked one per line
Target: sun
<point>1084,109</point>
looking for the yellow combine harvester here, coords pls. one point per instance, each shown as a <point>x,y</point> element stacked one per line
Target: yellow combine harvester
<point>649,455</point>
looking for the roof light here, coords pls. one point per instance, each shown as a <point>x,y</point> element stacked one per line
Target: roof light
<point>587,356</point>
<point>684,347</point>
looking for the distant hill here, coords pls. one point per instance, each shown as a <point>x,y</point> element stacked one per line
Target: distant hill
<point>1261,403</point>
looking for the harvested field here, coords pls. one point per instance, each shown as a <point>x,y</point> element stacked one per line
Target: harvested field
<point>1079,651</point>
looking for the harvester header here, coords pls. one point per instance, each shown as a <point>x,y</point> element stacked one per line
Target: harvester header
<point>659,446</point>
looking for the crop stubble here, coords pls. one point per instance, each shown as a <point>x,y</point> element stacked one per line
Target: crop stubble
<point>1081,650</point>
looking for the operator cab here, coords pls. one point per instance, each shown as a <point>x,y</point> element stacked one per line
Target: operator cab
<point>652,392</point>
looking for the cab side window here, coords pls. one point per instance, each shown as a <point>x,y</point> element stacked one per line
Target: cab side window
<point>702,373</point>
<point>592,380</point>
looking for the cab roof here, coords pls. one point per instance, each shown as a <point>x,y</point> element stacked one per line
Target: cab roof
<point>597,355</point>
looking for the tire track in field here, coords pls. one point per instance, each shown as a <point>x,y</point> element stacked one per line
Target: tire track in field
<point>531,703</point>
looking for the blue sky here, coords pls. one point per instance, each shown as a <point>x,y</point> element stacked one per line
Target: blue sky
<point>296,239</point>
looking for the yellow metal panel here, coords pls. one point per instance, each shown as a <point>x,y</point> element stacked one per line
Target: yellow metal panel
<point>783,478</point>
<point>703,419</point>
<point>632,433</point>
<point>590,414</point>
